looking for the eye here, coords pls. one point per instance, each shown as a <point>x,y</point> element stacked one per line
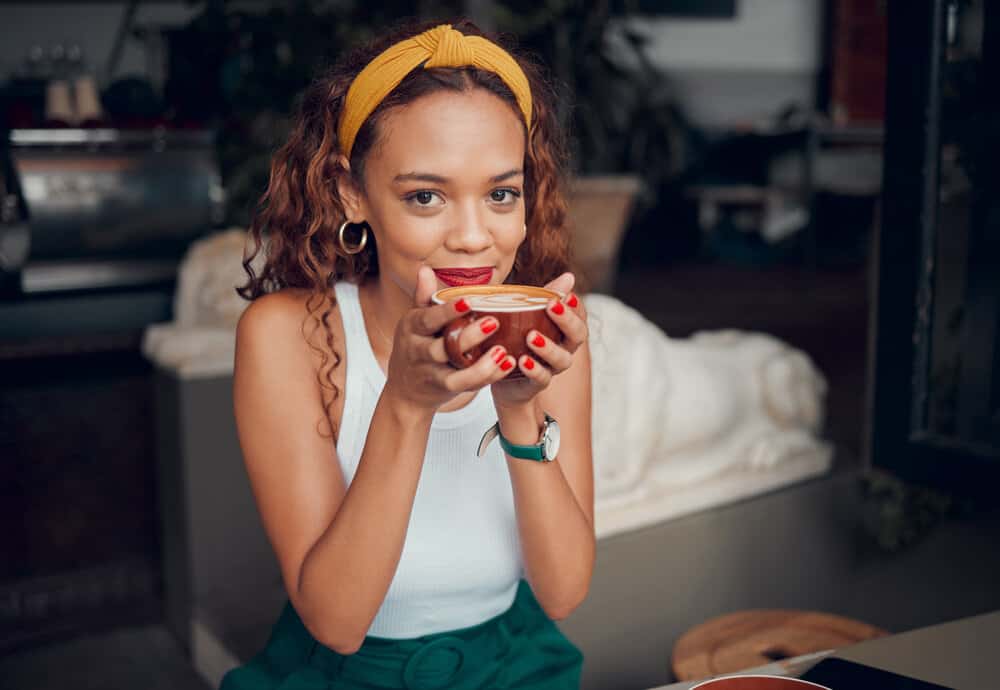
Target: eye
<point>425,198</point>
<point>504,195</point>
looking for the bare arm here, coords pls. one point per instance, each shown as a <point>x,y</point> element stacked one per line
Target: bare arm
<point>554,501</point>
<point>344,577</point>
<point>298,484</point>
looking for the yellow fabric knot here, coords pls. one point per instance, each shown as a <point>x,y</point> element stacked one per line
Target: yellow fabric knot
<point>441,46</point>
<point>447,47</point>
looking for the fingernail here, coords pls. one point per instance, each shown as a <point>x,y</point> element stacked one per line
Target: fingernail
<point>461,306</point>
<point>558,308</point>
<point>498,354</point>
<point>572,301</point>
<point>507,365</point>
<point>538,341</point>
<point>488,326</point>
<point>529,363</point>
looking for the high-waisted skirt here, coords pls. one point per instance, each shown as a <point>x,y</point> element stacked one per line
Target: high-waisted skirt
<point>521,648</point>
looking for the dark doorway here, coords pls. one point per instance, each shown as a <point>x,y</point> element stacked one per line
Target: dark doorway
<point>936,385</point>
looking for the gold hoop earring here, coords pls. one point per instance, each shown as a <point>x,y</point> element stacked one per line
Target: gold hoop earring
<point>360,246</point>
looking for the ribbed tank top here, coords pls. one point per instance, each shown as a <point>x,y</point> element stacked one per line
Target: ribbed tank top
<point>461,561</point>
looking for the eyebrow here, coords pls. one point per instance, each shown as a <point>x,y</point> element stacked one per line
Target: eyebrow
<point>438,179</point>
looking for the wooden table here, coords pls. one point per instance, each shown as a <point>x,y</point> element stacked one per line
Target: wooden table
<point>748,639</point>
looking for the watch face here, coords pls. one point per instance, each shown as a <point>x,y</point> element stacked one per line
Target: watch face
<point>551,440</point>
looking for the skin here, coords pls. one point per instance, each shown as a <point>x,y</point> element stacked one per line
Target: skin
<point>337,562</point>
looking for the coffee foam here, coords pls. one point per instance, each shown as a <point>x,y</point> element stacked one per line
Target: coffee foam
<point>506,301</point>
<point>506,298</point>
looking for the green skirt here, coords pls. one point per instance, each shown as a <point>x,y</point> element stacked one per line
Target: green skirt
<point>521,648</point>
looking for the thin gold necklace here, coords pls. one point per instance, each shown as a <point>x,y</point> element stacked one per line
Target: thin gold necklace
<point>378,328</point>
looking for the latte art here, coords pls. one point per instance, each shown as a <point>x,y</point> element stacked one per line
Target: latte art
<point>506,301</point>
<point>499,298</point>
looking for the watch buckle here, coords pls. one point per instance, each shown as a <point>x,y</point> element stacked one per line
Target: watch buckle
<point>487,439</point>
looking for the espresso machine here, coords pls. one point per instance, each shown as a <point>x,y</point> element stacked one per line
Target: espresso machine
<point>100,212</point>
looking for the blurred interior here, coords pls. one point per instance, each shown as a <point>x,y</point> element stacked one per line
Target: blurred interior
<point>756,165</point>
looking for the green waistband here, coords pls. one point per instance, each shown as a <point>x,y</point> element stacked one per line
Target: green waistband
<point>449,659</point>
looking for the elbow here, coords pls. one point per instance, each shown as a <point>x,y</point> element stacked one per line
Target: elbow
<point>339,635</point>
<point>329,624</point>
<point>560,598</point>
<point>345,646</point>
<point>561,609</point>
<point>341,640</point>
<point>558,614</point>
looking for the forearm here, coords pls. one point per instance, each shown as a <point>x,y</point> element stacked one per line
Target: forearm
<point>345,576</point>
<point>557,539</point>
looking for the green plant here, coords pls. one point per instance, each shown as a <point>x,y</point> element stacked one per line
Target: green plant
<point>896,514</point>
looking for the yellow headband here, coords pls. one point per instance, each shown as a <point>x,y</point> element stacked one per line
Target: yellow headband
<point>441,46</point>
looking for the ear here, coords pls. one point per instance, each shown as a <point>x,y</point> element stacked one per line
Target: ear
<point>351,195</point>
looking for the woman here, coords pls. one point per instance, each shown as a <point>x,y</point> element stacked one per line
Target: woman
<point>429,158</point>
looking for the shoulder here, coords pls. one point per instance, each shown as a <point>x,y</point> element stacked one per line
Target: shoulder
<point>288,315</point>
<point>282,309</point>
<point>289,323</point>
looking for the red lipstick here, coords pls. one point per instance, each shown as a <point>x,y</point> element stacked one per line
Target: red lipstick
<point>464,276</point>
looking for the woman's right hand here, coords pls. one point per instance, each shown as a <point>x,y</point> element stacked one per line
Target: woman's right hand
<point>419,371</point>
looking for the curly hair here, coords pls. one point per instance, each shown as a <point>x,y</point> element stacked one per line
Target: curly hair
<point>297,218</point>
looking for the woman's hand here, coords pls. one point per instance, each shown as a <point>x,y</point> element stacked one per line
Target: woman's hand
<point>419,372</point>
<point>549,359</point>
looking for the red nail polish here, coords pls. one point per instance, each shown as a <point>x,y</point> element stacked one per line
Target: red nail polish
<point>538,341</point>
<point>488,326</point>
<point>507,365</point>
<point>529,363</point>
<point>461,306</point>
<point>498,354</point>
<point>558,308</point>
<point>572,301</point>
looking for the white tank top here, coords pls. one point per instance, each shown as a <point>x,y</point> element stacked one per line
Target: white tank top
<point>461,561</point>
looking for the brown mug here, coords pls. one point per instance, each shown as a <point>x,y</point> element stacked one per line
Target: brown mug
<point>757,682</point>
<point>517,308</point>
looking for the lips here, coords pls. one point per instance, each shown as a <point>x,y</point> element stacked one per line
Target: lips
<point>464,276</point>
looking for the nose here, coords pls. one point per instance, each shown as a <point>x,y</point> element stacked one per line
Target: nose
<point>471,233</point>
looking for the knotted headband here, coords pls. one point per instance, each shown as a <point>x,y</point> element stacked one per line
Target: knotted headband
<point>441,46</point>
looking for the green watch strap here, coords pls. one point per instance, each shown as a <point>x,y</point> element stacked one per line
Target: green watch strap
<point>532,452</point>
<point>535,451</point>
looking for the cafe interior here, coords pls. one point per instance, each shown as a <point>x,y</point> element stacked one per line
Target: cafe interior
<point>784,223</point>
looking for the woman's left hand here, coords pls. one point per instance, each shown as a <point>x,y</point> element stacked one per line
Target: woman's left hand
<point>549,359</point>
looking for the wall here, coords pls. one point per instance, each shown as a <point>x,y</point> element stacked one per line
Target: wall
<point>731,71</point>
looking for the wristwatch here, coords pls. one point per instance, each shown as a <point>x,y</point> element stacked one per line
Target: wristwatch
<point>544,451</point>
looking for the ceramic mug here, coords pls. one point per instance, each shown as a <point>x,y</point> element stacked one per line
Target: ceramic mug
<point>517,308</point>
